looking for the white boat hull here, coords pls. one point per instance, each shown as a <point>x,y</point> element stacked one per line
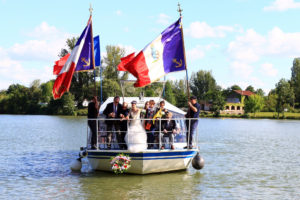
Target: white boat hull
<point>146,162</point>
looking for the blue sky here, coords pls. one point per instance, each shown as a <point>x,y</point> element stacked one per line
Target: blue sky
<point>244,42</point>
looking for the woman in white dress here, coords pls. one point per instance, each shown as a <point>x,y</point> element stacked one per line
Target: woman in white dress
<point>136,138</point>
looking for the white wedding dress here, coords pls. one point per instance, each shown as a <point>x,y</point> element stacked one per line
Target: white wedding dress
<point>136,138</point>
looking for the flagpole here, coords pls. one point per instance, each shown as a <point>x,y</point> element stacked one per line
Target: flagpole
<point>93,54</point>
<point>181,28</point>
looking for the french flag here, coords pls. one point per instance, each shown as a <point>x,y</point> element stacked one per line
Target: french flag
<point>59,64</point>
<point>163,55</point>
<point>80,58</point>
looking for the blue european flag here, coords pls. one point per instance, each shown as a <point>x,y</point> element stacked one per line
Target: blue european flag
<point>97,51</point>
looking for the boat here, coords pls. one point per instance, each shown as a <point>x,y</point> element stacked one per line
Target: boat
<point>149,160</point>
<point>155,160</point>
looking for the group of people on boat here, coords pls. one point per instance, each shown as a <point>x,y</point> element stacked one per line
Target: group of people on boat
<point>140,129</point>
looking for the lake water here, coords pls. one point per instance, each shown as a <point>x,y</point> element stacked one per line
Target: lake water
<point>245,159</point>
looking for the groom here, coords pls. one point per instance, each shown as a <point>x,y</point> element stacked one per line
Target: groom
<point>112,111</point>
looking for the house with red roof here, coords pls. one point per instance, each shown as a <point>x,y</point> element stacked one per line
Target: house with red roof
<point>235,102</point>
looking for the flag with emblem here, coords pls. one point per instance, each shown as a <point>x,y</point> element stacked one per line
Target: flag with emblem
<point>59,64</point>
<point>163,55</point>
<point>80,59</point>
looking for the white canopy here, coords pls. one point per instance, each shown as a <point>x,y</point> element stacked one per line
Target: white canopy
<point>141,103</point>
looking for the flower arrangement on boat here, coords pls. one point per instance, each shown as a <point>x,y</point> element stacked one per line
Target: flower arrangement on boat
<point>120,163</point>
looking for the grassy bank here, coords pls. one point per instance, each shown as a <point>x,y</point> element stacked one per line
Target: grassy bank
<point>81,112</point>
<point>259,115</point>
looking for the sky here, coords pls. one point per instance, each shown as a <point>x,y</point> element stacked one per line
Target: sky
<point>244,42</point>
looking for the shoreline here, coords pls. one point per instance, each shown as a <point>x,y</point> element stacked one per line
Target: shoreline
<point>259,115</point>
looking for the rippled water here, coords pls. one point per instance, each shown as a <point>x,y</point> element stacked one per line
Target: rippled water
<point>245,159</point>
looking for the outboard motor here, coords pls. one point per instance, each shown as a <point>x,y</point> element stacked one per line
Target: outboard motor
<point>198,161</point>
<point>76,165</point>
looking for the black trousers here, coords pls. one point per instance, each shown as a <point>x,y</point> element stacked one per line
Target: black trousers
<point>121,135</point>
<point>93,126</point>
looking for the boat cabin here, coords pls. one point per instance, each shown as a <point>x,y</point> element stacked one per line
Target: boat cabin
<point>180,140</point>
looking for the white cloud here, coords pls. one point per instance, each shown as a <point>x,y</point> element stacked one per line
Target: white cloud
<point>202,29</point>
<point>119,12</point>
<point>241,69</point>
<point>195,53</point>
<point>45,46</point>
<point>247,47</point>
<point>268,69</point>
<point>12,72</point>
<point>282,5</point>
<point>22,62</point>
<point>44,30</point>
<point>163,19</point>
<point>252,46</point>
<point>34,50</point>
<point>198,52</point>
<point>128,49</point>
<point>256,82</point>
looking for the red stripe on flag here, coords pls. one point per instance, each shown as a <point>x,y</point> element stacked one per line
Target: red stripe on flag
<point>125,61</point>
<point>139,69</point>
<point>59,64</point>
<point>63,82</point>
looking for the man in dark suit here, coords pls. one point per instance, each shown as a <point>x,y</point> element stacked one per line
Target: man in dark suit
<point>168,128</point>
<point>112,112</point>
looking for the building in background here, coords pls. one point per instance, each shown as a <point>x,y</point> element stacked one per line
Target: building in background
<point>235,102</point>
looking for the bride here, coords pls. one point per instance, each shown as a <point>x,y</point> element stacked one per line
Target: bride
<point>136,138</point>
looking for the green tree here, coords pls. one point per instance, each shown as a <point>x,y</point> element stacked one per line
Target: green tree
<point>254,104</point>
<point>203,84</point>
<point>271,101</point>
<point>250,88</point>
<point>17,102</point>
<point>111,88</point>
<point>285,96</point>
<point>235,87</point>
<point>181,94</point>
<point>295,80</point>
<point>47,91</point>
<point>63,106</point>
<point>260,92</point>
<point>230,90</point>
<point>3,102</point>
<point>169,95</point>
<point>218,101</point>
<point>111,62</point>
<point>34,98</point>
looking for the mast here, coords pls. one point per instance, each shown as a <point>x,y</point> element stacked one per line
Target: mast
<point>181,28</point>
<point>93,54</point>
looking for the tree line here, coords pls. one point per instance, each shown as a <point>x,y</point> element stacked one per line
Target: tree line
<point>37,98</point>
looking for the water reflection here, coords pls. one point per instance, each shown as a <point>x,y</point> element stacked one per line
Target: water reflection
<point>164,186</point>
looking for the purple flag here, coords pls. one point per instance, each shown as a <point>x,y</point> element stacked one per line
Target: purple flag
<point>173,55</point>
<point>85,61</point>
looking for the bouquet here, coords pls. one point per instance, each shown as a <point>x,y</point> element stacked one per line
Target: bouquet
<point>120,163</point>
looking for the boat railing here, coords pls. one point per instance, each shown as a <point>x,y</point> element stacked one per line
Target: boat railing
<point>180,141</point>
